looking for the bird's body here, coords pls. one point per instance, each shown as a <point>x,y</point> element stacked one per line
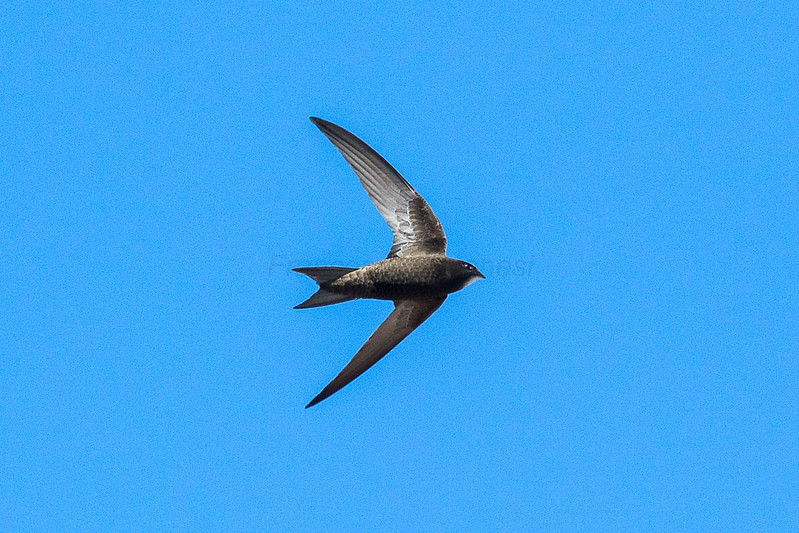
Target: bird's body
<point>397,278</point>
<point>417,275</point>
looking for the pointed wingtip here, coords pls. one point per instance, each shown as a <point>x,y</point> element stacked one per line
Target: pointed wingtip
<point>326,393</point>
<point>315,401</point>
<point>325,125</point>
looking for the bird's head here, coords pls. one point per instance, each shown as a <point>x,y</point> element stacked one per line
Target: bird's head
<point>467,273</point>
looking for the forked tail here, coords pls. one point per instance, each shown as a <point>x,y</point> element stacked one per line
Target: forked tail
<point>323,276</point>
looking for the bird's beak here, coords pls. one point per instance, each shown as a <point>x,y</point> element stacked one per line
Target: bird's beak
<point>480,274</point>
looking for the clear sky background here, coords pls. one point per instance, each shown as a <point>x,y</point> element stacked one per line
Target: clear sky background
<point>625,174</point>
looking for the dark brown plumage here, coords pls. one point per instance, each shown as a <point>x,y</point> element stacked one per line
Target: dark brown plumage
<point>417,275</point>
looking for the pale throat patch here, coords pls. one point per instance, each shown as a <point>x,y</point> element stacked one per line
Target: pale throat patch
<point>471,280</point>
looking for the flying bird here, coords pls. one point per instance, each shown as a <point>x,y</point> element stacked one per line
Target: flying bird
<point>417,275</point>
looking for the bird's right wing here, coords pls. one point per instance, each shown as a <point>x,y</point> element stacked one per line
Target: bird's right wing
<point>406,317</point>
<point>416,229</point>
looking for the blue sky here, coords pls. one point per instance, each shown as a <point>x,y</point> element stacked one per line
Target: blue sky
<point>625,175</point>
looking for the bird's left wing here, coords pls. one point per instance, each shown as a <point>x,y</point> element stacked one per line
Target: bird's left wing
<point>406,317</point>
<point>416,229</point>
